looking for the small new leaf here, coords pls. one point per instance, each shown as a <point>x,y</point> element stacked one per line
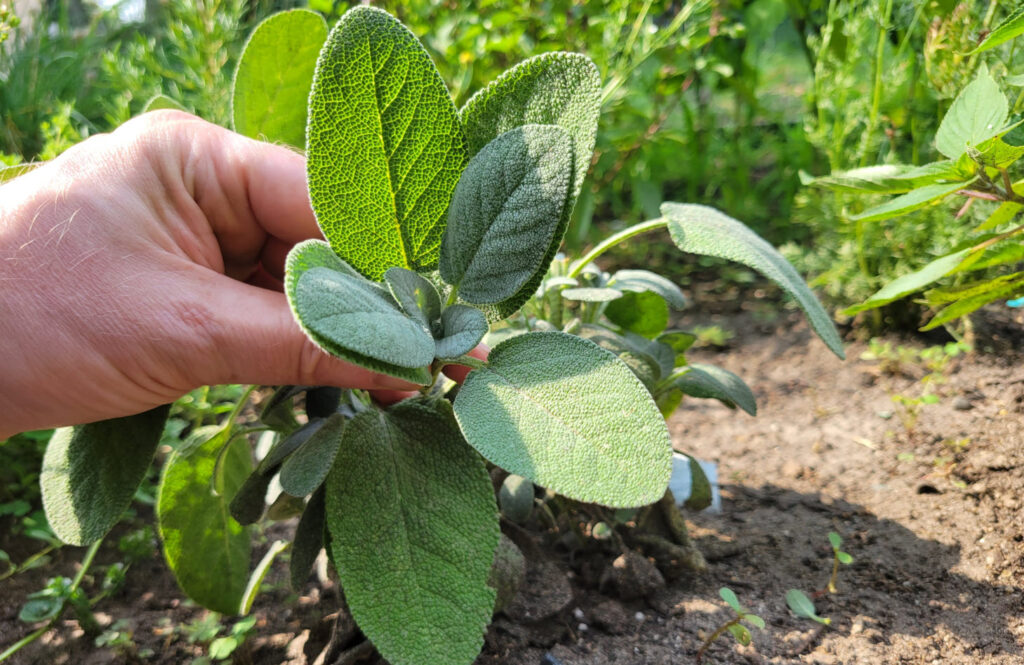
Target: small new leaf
<point>729,596</point>
<point>307,467</point>
<point>505,211</point>
<point>462,328</point>
<point>802,606</point>
<point>414,294</point>
<point>708,381</point>
<point>741,633</point>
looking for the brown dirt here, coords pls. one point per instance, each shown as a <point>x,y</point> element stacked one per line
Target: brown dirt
<point>932,517</point>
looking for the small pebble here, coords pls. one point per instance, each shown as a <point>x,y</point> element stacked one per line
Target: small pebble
<point>961,403</point>
<point>582,627</point>
<point>577,614</point>
<point>639,616</point>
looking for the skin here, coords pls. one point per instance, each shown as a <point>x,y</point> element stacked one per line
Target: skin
<point>147,262</point>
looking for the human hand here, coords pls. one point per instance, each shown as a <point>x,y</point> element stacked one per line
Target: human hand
<point>144,263</point>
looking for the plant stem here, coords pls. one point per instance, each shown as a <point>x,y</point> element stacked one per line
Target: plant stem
<point>15,569</point>
<point>876,95</point>
<point>75,583</point>
<point>613,240</point>
<point>714,636</point>
<point>835,572</point>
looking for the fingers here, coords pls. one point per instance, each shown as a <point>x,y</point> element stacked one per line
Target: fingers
<point>249,336</point>
<point>459,373</point>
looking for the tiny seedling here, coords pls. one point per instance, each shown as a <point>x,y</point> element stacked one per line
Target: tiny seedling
<point>803,607</point>
<point>838,557</point>
<point>733,625</point>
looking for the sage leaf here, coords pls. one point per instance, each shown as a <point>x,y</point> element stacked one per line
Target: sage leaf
<point>646,281</point>
<point>385,147</point>
<point>701,494</point>
<point>637,357</point>
<point>702,230</point>
<point>250,500</point>
<point>308,541</point>
<point>909,202</point>
<point>462,328</point>
<point>515,498</point>
<point>642,312</point>
<point>708,381</point>
<point>90,473</point>
<point>561,89</point>
<point>359,322</point>
<point>570,416</point>
<point>505,211</point>
<point>274,75</point>
<point>206,549</point>
<point>287,445</point>
<point>252,588</point>
<point>977,114</point>
<point>592,294</point>
<point>679,342</point>
<point>307,467</point>
<point>414,294</point>
<point>413,523</point>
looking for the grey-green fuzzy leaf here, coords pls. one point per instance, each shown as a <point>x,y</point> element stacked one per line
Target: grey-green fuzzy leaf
<point>413,524</point>
<point>274,76</point>
<point>307,467</point>
<point>90,473</point>
<point>414,294</point>
<point>360,322</point>
<point>206,549</point>
<point>645,280</point>
<point>505,211</point>
<point>385,147</point>
<point>308,541</point>
<point>570,416</point>
<point>462,328</point>
<point>703,230</point>
<point>591,294</point>
<point>561,89</point>
<point>708,381</point>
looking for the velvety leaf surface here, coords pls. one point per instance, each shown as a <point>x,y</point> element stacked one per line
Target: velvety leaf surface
<point>307,467</point>
<point>384,145</point>
<point>645,280</point>
<point>356,320</point>
<point>250,500</point>
<point>592,294</point>
<point>977,114</point>
<point>570,416</point>
<point>206,549</point>
<point>462,329</point>
<point>638,359</point>
<point>309,540</point>
<point>274,75</point>
<point>90,473</point>
<point>286,445</point>
<point>713,382</point>
<point>561,89</point>
<point>413,523</point>
<point>702,230</point>
<point>505,211</point>
<point>414,294</point>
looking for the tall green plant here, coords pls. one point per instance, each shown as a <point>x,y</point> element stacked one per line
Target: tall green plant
<point>439,222</point>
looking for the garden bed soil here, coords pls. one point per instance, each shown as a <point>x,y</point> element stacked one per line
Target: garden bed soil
<point>933,516</point>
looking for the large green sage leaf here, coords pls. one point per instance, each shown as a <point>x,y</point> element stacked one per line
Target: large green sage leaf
<point>384,145</point>
<point>708,381</point>
<point>414,526</point>
<point>206,549</point>
<point>462,328</point>
<point>977,114</point>
<point>505,211</point>
<point>274,75</point>
<point>561,89</point>
<point>570,416</point>
<point>90,473</point>
<point>307,467</point>
<point>703,230</point>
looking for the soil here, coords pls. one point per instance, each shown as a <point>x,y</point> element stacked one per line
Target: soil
<point>930,508</point>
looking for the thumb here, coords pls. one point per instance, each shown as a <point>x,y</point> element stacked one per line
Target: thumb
<point>251,336</point>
